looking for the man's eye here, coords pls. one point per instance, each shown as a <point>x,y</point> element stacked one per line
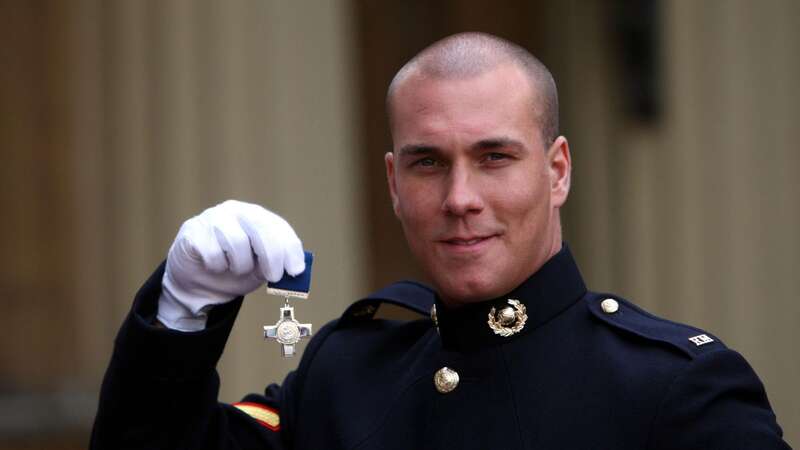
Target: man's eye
<point>496,156</point>
<point>425,162</point>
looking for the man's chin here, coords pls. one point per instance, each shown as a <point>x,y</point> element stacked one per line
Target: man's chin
<point>462,292</point>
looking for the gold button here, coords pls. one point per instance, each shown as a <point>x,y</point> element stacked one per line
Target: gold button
<point>609,306</point>
<point>446,379</point>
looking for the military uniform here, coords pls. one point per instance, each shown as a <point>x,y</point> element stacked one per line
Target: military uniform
<point>560,368</point>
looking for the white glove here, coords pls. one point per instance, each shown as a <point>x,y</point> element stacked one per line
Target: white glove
<point>227,251</point>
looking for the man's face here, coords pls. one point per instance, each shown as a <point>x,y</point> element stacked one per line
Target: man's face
<point>472,184</point>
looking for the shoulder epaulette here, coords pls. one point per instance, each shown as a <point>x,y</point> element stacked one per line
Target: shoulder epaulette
<point>406,294</point>
<point>623,314</point>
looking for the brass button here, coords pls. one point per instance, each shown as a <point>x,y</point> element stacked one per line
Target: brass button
<point>435,319</point>
<point>609,306</point>
<point>446,379</point>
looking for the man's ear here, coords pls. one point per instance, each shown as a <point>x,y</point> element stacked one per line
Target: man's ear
<point>388,158</point>
<point>560,167</point>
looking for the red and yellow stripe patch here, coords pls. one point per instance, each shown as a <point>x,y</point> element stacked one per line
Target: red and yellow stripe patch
<point>262,414</point>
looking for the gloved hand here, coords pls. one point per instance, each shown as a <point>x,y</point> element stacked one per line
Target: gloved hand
<point>227,251</point>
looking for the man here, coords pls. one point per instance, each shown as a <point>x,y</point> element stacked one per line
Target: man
<point>516,354</point>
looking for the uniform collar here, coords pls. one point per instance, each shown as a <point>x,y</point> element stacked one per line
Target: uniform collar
<point>552,289</point>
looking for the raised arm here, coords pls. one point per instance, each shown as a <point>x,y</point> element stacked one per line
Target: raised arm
<point>160,390</point>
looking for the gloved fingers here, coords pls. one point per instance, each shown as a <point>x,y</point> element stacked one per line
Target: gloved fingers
<point>290,245</point>
<point>271,238</point>
<point>235,242</point>
<point>295,259</point>
<point>266,239</point>
<point>197,242</point>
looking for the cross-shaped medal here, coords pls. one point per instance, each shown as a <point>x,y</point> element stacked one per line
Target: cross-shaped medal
<point>288,331</point>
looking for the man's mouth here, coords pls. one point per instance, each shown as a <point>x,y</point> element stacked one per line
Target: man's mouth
<point>467,241</point>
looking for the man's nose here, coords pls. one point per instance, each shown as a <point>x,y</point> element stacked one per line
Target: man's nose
<point>462,196</point>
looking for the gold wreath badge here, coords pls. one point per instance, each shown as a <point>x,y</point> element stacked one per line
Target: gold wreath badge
<point>510,320</point>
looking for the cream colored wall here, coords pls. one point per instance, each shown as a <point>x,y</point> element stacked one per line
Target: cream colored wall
<point>180,105</point>
<point>697,218</point>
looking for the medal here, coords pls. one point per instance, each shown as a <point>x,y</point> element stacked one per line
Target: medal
<point>288,331</point>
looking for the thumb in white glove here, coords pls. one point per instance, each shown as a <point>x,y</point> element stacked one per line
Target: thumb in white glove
<point>227,251</point>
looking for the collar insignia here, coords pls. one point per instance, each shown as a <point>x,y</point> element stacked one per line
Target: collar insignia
<point>509,320</point>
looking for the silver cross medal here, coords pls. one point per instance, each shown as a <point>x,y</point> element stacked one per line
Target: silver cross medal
<point>288,331</point>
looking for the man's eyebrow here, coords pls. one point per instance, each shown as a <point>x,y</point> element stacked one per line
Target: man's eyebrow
<point>416,149</point>
<point>498,142</point>
<point>482,145</point>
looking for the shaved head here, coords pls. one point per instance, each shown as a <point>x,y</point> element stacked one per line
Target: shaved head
<point>467,55</point>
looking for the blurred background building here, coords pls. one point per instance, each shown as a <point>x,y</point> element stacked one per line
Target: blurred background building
<point>119,119</point>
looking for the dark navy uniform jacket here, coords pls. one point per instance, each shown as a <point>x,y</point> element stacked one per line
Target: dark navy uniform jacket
<point>575,377</point>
